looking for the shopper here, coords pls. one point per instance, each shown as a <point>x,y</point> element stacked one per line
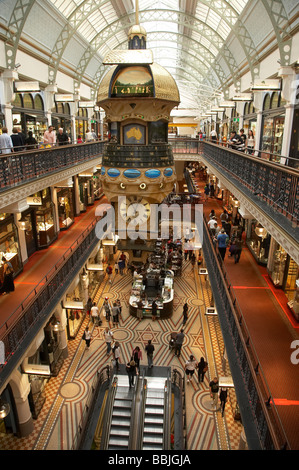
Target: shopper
<point>238,250</point>
<point>212,224</point>
<point>118,303</point>
<point>8,280</point>
<point>108,335</point>
<point>17,140</point>
<point>50,136</point>
<point>107,310</point>
<point>116,268</point>
<point>115,314</point>
<point>116,355</point>
<point>30,142</point>
<point>154,310</point>
<point>6,145</point>
<point>62,137</point>
<point>137,355</point>
<point>250,143</point>
<point>243,137</point>
<point>94,312</point>
<point>222,240</point>
<point>206,192</point>
<point>202,369</point>
<point>185,313</point>
<point>178,343</point>
<point>149,348</point>
<point>139,310</point>
<point>87,337</point>
<point>89,305</point>
<point>223,399</point>
<point>190,367</point>
<point>109,271</point>
<point>132,371</point>
<point>214,389</point>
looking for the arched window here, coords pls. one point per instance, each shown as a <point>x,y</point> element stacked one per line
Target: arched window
<point>67,109</point>
<point>251,109</point>
<point>28,101</point>
<point>246,108</point>
<point>59,108</point>
<point>274,100</point>
<point>267,102</point>
<point>38,103</point>
<point>18,102</point>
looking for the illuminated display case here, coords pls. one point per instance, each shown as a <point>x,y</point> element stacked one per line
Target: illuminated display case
<point>9,243</point>
<point>45,225</point>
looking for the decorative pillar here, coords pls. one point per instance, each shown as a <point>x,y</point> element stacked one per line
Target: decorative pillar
<point>49,93</point>
<point>258,104</point>
<point>63,334</point>
<point>8,77</point>
<point>290,82</point>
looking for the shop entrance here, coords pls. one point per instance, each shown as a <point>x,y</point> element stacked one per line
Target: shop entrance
<point>30,232</point>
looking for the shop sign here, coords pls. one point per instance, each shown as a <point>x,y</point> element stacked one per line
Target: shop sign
<point>64,97</point>
<point>34,201</point>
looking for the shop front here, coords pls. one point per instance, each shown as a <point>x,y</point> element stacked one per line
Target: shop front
<point>272,125</point>
<point>74,306</point>
<point>61,118</point>
<point>258,242</point>
<point>28,114</point>
<point>283,270</point>
<point>249,119</point>
<point>9,244</point>
<point>86,190</point>
<point>66,205</point>
<point>38,221</point>
<point>81,123</point>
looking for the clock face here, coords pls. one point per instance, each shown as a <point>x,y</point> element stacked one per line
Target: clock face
<point>135,209</point>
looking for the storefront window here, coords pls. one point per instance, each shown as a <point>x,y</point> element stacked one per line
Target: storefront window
<point>41,220</point>
<point>75,311</point>
<point>259,243</point>
<point>65,207</point>
<point>28,101</point>
<point>9,243</point>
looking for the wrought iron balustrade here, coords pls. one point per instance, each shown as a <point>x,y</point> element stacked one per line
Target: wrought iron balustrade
<point>18,168</point>
<point>23,324</point>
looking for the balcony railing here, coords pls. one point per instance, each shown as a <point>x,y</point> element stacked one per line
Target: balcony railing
<point>18,168</point>
<point>24,323</point>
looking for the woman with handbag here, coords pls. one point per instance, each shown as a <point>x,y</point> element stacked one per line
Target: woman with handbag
<point>202,369</point>
<point>8,282</point>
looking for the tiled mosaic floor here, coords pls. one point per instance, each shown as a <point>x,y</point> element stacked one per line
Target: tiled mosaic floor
<point>57,424</point>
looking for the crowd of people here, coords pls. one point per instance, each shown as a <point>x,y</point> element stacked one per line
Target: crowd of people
<point>237,141</point>
<point>18,142</point>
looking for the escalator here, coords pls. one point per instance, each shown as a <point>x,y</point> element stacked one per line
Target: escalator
<point>140,417</point>
<point>154,414</point>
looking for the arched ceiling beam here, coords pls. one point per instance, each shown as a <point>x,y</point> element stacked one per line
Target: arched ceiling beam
<point>281,27</point>
<point>15,26</point>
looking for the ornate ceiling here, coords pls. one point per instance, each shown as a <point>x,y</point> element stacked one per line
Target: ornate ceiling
<point>207,45</point>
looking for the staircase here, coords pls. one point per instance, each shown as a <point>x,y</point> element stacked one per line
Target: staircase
<point>121,415</point>
<point>154,414</point>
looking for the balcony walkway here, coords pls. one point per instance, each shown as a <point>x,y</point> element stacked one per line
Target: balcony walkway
<point>271,325</point>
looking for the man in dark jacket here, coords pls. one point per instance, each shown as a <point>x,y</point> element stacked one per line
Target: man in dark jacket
<point>62,137</point>
<point>178,343</point>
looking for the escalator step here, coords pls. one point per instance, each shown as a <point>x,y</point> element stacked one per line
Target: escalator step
<point>153,420</point>
<point>153,439</point>
<point>155,401</point>
<point>154,410</point>
<point>121,421</point>
<point>117,431</point>
<point>121,412</point>
<point>153,447</point>
<point>116,441</point>
<point>154,428</point>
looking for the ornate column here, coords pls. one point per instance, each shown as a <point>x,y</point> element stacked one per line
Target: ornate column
<point>289,87</point>
<point>8,77</point>
<point>49,93</point>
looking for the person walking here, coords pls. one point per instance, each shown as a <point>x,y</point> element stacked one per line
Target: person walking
<point>223,399</point>
<point>17,140</point>
<point>62,137</point>
<point>137,356</point>
<point>212,224</point>
<point>190,367</point>
<point>116,268</point>
<point>132,371</point>
<point>89,305</point>
<point>107,310</point>
<point>115,313</point>
<point>214,389</point>
<point>222,239</point>
<point>6,145</point>
<point>149,348</point>
<point>31,142</point>
<point>50,137</point>
<point>116,355</point>
<point>202,369</point>
<point>94,312</point>
<point>206,192</point>
<point>238,250</point>
<point>108,335</point>
<point>87,337</point>
<point>118,303</point>
<point>139,310</point>
<point>8,281</point>
<point>109,271</point>
<point>185,313</point>
<point>178,343</point>
<point>154,310</point>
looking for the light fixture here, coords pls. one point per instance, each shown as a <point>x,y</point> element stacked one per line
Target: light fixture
<point>4,409</point>
<point>260,231</point>
<point>24,224</point>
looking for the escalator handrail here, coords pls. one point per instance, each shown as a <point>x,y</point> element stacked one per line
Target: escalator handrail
<point>142,412</point>
<point>136,422</point>
<point>108,413</point>
<point>133,414</point>
<point>167,414</point>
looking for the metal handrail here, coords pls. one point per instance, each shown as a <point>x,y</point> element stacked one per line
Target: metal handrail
<point>108,413</point>
<point>167,414</point>
<point>178,381</point>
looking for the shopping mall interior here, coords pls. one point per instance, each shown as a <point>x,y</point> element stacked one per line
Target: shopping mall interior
<point>149,225</point>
